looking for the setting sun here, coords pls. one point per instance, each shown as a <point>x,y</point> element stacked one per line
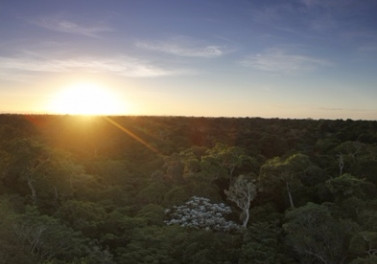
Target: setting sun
<point>86,99</point>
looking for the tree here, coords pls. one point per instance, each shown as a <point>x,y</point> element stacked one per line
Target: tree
<point>27,159</point>
<point>364,244</point>
<point>153,214</point>
<point>46,238</point>
<point>46,172</point>
<point>12,250</point>
<point>200,213</point>
<point>174,168</point>
<point>82,216</point>
<point>242,192</point>
<point>316,236</point>
<point>31,237</point>
<point>148,245</point>
<point>346,186</point>
<point>366,260</point>
<point>287,172</point>
<point>261,244</point>
<point>153,192</point>
<point>174,244</point>
<point>228,158</point>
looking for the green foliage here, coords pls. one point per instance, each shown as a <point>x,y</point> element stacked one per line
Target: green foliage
<point>148,245</point>
<point>31,237</point>
<point>266,212</point>
<point>346,186</point>
<point>315,235</point>
<point>204,189</point>
<point>367,218</point>
<point>261,244</point>
<point>174,168</point>
<point>287,172</point>
<point>84,192</point>
<point>227,159</point>
<point>12,250</point>
<point>153,192</point>
<point>177,245</point>
<point>176,195</point>
<point>364,243</point>
<point>367,260</point>
<point>118,228</point>
<point>82,216</point>
<point>153,214</point>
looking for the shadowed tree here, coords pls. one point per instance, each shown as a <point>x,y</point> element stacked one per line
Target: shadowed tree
<point>316,236</point>
<point>288,172</point>
<point>227,158</point>
<point>261,244</point>
<point>346,186</point>
<point>49,174</point>
<point>27,159</point>
<point>174,168</point>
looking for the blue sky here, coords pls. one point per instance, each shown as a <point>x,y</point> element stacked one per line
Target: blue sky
<point>295,59</point>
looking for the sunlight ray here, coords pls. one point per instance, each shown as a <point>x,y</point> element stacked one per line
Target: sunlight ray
<point>131,134</point>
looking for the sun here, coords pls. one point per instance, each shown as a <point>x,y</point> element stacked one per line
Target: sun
<point>86,99</point>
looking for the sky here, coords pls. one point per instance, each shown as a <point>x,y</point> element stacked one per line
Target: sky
<point>287,59</point>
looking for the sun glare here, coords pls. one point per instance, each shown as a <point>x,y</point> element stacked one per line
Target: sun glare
<point>86,99</point>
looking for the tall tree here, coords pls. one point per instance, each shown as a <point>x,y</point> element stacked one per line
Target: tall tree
<point>287,172</point>
<point>242,192</point>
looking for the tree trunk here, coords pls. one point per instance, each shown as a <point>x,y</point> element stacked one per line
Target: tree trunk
<point>32,189</point>
<point>289,195</point>
<point>341,164</point>
<point>247,215</point>
<point>56,194</point>
<point>231,170</point>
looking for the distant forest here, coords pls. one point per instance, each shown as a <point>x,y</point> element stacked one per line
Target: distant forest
<point>166,190</point>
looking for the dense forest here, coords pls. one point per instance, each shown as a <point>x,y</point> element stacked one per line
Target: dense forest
<point>187,190</point>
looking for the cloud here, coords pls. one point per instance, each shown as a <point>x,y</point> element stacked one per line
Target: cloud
<point>314,3</point>
<point>65,26</point>
<point>329,4</point>
<point>365,41</point>
<point>278,61</point>
<point>368,48</point>
<point>123,66</point>
<point>184,47</point>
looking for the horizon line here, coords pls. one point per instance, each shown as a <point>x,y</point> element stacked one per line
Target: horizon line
<point>181,116</point>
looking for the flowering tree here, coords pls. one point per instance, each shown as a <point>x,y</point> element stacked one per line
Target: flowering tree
<point>200,213</point>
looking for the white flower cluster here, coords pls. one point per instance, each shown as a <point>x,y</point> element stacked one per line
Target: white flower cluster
<point>200,213</point>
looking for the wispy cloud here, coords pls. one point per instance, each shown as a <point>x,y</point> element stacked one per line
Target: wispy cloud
<point>278,61</point>
<point>66,26</point>
<point>123,66</point>
<point>368,48</point>
<point>313,3</point>
<point>185,47</point>
<point>328,4</point>
<point>365,41</point>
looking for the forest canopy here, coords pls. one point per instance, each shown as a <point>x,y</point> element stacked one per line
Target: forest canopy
<point>139,189</point>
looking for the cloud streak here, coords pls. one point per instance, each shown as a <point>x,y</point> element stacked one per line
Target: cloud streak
<point>70,27</point>
<point>278,61</point>
<point>184,47</point>
<point>124,66</point>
